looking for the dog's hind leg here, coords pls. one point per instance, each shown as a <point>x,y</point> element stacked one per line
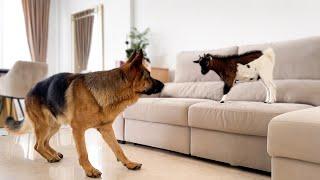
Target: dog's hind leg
<point>53,129</point>
<point>41,126</point>
<point>108,135</point>
<point>41,133</point>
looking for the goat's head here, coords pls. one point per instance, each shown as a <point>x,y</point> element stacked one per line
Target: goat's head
<point>204,62</point>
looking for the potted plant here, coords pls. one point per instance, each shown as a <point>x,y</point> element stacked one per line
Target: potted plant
<point>137,40</point>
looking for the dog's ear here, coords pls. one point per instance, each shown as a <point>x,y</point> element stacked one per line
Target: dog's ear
<point>137,60</point>
<point>197,61</point>
<point>133,55</point>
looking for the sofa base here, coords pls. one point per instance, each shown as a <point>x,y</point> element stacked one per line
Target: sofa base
<point>235,149</point>
<point>285,168</point>
<point>118,128</point>
<point>169,137</point>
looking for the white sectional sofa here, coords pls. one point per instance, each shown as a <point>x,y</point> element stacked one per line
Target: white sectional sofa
<point>187,118</point>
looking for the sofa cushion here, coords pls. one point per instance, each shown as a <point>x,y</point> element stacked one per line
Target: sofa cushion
<point>202,90</point>
<point>288,91</point>
<point>161,110</point>
<point>187,71</point>
<point>295,135</point>
<point>295,59</point>
<point>249,118</point>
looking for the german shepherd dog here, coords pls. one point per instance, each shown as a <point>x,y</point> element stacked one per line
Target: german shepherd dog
<point>84,101</point>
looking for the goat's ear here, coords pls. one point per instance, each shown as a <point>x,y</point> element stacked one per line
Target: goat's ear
<point>197,61</point>
<point>133,55</point>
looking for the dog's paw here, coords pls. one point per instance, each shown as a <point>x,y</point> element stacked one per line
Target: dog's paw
<point>133,166</point>
<point>93,173</point>
<point>54,159</point>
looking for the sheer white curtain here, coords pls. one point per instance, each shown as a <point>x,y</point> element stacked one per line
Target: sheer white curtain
<point>13,39</point>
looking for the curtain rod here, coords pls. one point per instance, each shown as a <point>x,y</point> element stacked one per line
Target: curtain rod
<point>95,10</point>
<point>84,16</point>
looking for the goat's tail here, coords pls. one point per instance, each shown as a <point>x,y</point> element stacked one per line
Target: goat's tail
<point>269,52</point>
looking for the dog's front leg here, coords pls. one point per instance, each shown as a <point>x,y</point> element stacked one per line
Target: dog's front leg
<point>108,135</point>
<point>79,139</point>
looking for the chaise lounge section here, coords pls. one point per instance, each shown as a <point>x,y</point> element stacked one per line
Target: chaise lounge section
<point>294,145</point>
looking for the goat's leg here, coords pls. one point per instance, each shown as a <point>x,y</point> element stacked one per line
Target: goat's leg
<point>267,91</point>
<point>273,91</point>
<point>267,79</point>
<point>226,89</point>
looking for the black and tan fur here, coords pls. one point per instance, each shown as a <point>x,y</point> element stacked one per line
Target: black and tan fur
<point>84,101</point>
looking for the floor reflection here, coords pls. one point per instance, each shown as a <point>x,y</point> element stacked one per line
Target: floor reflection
<point>18,160</point>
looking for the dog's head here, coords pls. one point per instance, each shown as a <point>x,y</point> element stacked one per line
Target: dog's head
<point>204,62</point>
<point>139,75</point>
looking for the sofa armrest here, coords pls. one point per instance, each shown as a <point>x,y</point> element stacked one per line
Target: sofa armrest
<point>296,135</point>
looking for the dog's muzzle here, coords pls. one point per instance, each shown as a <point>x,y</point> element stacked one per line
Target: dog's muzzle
<point>157,87</point>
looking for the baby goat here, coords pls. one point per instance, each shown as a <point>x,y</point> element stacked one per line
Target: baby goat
<point>250,66</point>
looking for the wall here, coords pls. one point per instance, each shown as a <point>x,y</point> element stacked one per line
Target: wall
<point>116,22</point>
<point>207,24</point>
<point>1,33</point>
<point>53,50</point>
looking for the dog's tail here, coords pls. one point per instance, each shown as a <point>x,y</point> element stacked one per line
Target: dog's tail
<point>18,127</point>
<point>269,52</point>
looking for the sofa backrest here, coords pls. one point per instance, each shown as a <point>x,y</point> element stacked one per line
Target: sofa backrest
<point>295,59</point>
<point>288,91</point>
<point>187,71</point>
<point>297,74</point>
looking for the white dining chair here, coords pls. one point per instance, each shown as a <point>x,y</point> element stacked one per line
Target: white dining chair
<point>20,79</point>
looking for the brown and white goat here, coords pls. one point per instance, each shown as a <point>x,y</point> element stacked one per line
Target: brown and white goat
<point>250,66</point>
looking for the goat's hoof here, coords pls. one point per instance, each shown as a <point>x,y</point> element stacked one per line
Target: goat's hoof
<point>60,155</point>
<point>221,101</point>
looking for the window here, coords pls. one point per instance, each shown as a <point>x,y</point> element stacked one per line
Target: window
<point>95,61</point>
<point>13,39</point>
